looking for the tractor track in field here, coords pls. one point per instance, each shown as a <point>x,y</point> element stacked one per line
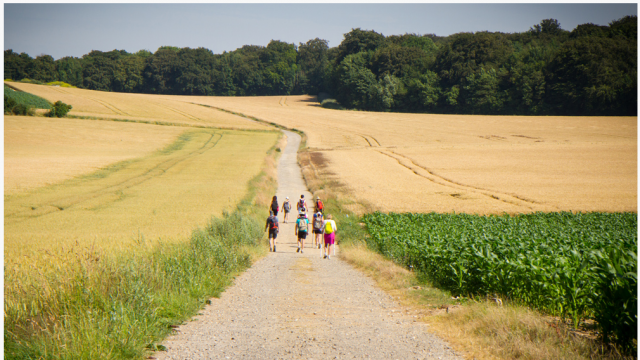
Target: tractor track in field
<point>180,113</point>
<point>440,180</point>
<point>111,192</point>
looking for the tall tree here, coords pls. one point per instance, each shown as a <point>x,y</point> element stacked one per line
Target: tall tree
<point>468,53</point>
<point>595,76</point>
<point>482,92</point>
<point>280,68</point>
<point>355,82</point>
<point>358,40</point>
<point>313,62</point>
<point>43,68</point>
<point>15,65</point>
<point>70,70</point>
<point>158,71</point>
<point>194,72</point>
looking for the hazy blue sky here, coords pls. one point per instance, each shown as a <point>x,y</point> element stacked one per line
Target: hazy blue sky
<point>75,29</point>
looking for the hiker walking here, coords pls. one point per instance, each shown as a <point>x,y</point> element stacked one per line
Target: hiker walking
<point>274,206</point>
<point>302,228</point>
<point>329,229</point>
<point>318,223</point>
<point>272,226</point>
<point>302,204</point>
<point>319,205</point>
<point>286,208</point>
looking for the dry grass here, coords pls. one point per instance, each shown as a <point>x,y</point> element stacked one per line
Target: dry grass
<point>486,331</point>
<point>139,107</point>
<point>471,164</point>
<point>477,329</point>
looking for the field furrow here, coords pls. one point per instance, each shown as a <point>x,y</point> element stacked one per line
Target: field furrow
<point>181,113</point>
<point>107,191</point>
<point>109,106</point>
<point>424,172</point>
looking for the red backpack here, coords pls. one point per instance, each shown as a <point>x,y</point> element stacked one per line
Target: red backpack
<point>274,223</point>
<point>319,205</point>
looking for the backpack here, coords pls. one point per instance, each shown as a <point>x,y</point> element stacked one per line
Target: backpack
<point>317,223</point>
<point>274,223</point>
<point>319,205</point>
<point>302,225</point>
<point>274,207</point>
<point>287,206</point>
<point>328,229</point>
<point>301,204</point>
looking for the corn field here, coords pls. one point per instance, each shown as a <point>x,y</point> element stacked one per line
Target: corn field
<point>573,265</point>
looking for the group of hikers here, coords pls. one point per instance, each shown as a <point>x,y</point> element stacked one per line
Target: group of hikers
<point>324,228</point>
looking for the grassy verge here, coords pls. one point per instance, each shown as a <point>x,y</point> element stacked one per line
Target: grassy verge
<point>480,328</point>
<point>121,306</point>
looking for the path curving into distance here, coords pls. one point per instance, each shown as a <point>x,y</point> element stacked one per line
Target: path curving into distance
<point>290,305</point>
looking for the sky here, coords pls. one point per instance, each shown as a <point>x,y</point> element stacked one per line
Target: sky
<point>75,29</point>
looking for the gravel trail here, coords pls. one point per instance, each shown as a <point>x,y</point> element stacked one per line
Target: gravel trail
<point>293,305</point>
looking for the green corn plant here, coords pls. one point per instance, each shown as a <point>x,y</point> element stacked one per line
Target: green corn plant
<point>616,301</point>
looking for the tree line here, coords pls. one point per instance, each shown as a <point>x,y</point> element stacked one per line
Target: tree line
<point>591,70</point>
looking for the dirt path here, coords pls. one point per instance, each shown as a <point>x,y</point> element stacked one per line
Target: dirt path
<point>301,306</point>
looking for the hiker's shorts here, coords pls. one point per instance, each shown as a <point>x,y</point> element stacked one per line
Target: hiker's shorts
<point>330,239</point>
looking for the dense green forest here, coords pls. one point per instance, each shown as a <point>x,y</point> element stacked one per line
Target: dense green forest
<point>591,70</point>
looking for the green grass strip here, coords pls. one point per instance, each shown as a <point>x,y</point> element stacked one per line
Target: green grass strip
<point>24,98</point>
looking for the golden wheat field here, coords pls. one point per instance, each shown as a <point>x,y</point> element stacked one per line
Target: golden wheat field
<point>41,151</point>
<point>138,107</point>
<point>463,163</point>
<point>162,196</point>
<point>78,185</point>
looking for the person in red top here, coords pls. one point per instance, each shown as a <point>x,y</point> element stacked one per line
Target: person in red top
<point>319,205</point>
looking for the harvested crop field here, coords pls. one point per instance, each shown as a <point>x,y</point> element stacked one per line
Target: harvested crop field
<point>138,107</point>
<point>463,163</point>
